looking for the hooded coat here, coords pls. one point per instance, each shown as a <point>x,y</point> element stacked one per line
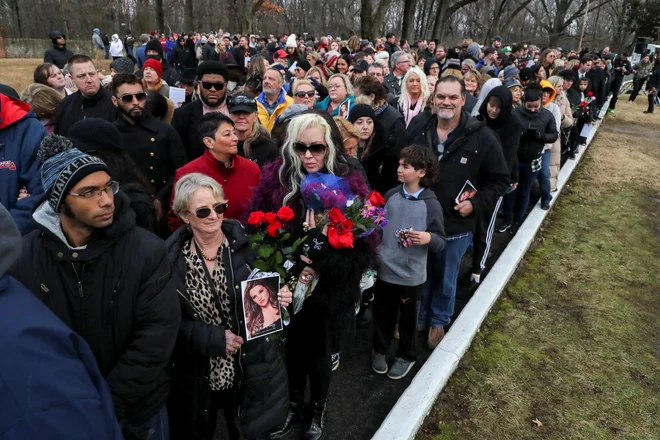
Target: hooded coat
<point>117,294</point>
<point>116,47</point>
<point>555,147</point>
<point>21,134</point>
<point>506,126</point>
<point>57,55</point>
<point>51,386</point>
<point>97,40</point>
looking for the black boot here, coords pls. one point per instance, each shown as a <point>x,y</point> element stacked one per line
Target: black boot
<point>296,406</point>
<point>315,430</point>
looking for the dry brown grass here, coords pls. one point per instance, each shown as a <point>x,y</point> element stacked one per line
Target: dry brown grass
<point>18,72</point>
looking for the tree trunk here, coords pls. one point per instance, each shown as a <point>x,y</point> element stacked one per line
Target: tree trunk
<point>160,15</point>
<point>188,15</point>
<point>370,19</point>
<point>18,19</point>
<point>408,28</point>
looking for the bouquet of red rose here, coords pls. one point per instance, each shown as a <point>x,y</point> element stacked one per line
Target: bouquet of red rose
<point>272,245</point>
<point>360,217</point>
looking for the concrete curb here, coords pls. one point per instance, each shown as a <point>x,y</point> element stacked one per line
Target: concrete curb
<point>416,402</point>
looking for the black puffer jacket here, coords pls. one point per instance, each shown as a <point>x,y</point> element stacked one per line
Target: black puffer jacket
<point>262,390</point>
<point>392,121</point>
<point>117,294</point>
<point>380,162</point>
<point>538,128</point>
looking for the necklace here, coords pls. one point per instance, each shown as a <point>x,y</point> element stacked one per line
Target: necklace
<point>207,258</point>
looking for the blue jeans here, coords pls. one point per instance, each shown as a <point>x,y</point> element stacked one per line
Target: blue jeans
<point>526,178</point>
<point>544,177</point>
<point>439,292</point>
<point>156,428</point>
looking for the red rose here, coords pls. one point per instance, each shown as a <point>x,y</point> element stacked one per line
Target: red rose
<point>583,104</point>
<point>270,217</point>
<point>344,227</point>
<point>285,214</point>
<point>376,199</point>
<point>273,228</point>
<point>335,215</point>
<point>255,218</point>
<point>590,94</point>
<point>339,241</point>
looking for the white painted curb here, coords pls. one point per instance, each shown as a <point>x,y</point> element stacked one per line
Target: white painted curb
<point>415,403</point>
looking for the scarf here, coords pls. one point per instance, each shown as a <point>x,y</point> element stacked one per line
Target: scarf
<point>408,114</point>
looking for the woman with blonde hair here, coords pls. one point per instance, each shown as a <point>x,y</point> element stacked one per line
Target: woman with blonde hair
<point>473,82</point>
<point>330,276</point>
<point>318,74</point>
<point>340,95</point>
<point>414,94</point>
<point>44,101</point>
<point>566,122</point>
<point>354,44</point>
<point>349,136</point>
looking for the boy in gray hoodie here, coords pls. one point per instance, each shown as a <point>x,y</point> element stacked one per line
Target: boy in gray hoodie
<point>415,226</point>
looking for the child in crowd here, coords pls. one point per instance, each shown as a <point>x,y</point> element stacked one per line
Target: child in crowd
<point>585,114</point>
<point>415,226</point>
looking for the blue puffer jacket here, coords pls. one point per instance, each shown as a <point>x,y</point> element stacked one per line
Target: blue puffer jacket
<point>20,136</point>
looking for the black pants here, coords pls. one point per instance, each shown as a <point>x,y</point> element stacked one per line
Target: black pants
<point>483,235</point>
<point>309,342</point>
<point>392,299</point>
<point>651,102</point>
<point>638,83</point>
<point>615,87</point>
<point>223,400</point>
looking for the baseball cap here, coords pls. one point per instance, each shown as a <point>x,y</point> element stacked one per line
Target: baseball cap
<point>242,102</point>
<point>361,66</point>
<point>279,54</point>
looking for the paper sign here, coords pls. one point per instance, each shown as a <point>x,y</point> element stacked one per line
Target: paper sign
<point>585,130</point>
<point>178,96</point>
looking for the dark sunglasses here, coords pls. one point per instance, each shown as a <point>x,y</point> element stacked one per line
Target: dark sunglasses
<point>313,148</point>
<point>309,94</point>
<point>220,208</point>
<point>209,85</point>
<point>127,99</point>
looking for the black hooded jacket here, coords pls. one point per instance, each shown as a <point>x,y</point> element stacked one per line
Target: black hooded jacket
<point>538,128</point>
<point>380,162</point>
<point>57,55</point>
<point>117,294</point>
<point>472,152</point>
<point>506,126</point>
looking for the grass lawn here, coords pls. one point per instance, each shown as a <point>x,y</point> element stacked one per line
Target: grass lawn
<point>572,348</point>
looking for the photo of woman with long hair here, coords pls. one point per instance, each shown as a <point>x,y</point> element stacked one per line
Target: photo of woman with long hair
<point>262,309</point>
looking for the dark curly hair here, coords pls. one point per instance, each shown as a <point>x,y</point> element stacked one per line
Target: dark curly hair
<point>421,158</point>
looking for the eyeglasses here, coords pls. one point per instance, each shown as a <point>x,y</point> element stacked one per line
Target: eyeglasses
<point>313,148</point>
<point>209,85</point>
<point>309,94</point>
<point>219,209</point>
<point>335,86</point>
<point>128,98</point>
<point>112,186</point>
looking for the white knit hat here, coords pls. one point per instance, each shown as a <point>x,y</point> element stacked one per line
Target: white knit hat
<point>382,55</point>
<point>291,41</point>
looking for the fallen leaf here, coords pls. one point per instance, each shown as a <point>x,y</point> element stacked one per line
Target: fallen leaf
<point>537,422</point>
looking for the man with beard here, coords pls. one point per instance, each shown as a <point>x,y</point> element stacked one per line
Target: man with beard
<point>154,145</point>
<point>467,151</point>
<point>212,77</point>
<point>90,101</point>
<point>107,279</point>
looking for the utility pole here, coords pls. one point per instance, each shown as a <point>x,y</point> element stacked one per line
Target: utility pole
<point>657,28</point>
<point>584,24</point>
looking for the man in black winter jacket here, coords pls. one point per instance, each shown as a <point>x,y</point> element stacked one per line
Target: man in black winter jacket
<point>538,129</point>
<point>401,63</point>
<point>622,68</point>
<point>58,54</point>
<point>469,158</point>
<point>107,279</point>
<point>90,101</point>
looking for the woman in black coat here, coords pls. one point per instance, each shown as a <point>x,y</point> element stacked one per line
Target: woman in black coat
<point>213,367</point>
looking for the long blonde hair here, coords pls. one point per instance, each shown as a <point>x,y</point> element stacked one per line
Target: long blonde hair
<point>291,171</point>
<point>256,132</point>
<point>423,82</point>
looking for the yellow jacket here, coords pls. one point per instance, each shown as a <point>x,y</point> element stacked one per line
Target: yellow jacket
<point>266,120</point>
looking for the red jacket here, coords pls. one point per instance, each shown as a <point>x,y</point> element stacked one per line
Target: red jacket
<point>237,182</point>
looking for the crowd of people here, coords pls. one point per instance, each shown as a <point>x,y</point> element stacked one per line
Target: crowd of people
<point>135,212</point>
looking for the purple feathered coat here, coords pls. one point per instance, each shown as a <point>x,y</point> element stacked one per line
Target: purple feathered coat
<point>339,270</point>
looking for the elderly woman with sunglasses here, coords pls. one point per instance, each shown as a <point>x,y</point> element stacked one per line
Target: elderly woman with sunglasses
<point>211,256</point>
<point>222,162</point>
<point>330,276</point>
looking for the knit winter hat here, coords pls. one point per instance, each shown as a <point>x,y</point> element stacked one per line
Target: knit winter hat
<point>525,74</point>
<point>291,41</point>
<point>361,110</point>
<point>63,166</point>
<point>154,44</point>
<point>304,65</point>
<point>123,65</point>
<point>510,71</point>
<point>154,64</point>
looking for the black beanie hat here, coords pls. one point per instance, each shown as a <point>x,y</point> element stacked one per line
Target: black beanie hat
<point>361,110</point>
<point>525,74</point>
<point>95,134</point>
<point>304,65</point>
<point>154,45</point>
